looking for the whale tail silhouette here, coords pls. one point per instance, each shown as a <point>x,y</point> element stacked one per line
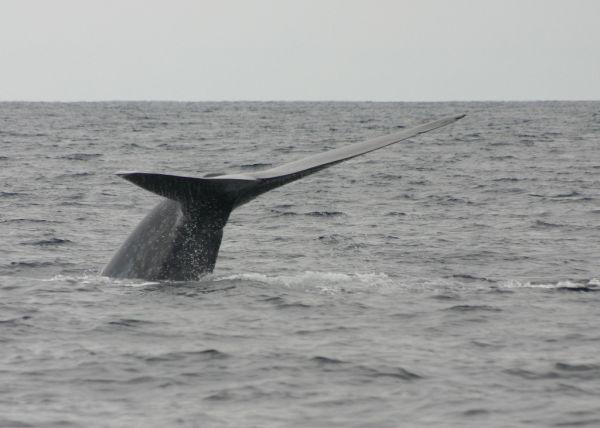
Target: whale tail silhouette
<point>228,191</point>
<point>180,238</point>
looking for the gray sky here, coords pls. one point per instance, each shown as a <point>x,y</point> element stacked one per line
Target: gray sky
<point>380,50</point>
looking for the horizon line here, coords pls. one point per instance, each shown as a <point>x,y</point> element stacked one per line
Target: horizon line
<point>299,101</point>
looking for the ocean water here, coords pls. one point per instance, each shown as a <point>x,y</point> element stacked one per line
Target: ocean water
<point>449,280</point>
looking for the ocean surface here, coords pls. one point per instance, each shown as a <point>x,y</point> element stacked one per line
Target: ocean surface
<point>451,280</point>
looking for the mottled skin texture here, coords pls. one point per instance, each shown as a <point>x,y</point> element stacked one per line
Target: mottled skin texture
<point>180,238</point>
<point>165,246</point>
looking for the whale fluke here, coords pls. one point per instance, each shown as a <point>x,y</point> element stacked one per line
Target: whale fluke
<point>323,160</point>
<point>180,238</point>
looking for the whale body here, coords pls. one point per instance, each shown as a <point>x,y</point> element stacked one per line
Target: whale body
<point>179,239</point>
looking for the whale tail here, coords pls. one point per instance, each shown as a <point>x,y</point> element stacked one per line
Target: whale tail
<point>180,238</point>
<point>207,200</point>
<point>228,191</point>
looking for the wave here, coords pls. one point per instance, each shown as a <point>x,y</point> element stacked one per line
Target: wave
<point>584,285</point>
<point>543,224</point>
<point>309,214</point>
<point>93,278</point>
<point>81,156</point>
<point>48,242</point>
<point>474,308</point>
<point>10,194</point>
<point>339,282</point>
<point>327,282</point>
<point>324,213</point>
<point>30,220</point>
<point>253,166</point>
<point>560,370</point>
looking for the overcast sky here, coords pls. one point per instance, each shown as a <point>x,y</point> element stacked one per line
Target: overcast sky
<point>380,50</point>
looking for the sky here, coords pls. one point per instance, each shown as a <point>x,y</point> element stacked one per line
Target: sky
<point>347,50</point>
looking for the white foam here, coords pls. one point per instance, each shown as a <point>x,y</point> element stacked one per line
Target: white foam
<point>86,279</point>
<point>322,281</point>
<point>550,285</point>
<point>334,282</point>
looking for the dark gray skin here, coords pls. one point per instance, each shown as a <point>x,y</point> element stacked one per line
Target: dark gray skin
<point>164,247</point>
<point>179,239</point>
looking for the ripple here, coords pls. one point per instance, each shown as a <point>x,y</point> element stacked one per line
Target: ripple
<point>334,238</point>
<point>568,367</point>
<point>13,423</point>
<point>567,195</point>
<point>253,166</point>
<point>31,264</point>
<point>324,213</point>
<point>474,308</point>
<point>395,373</point>
<point>395,214</point>
<point>475,412</point>
<point>531,375</point>
<point>30,220</point>
<point>48,242</point>
<point>594,422</point>
<point>281,303</point>
<point>130,322</point>
<point>560,370</point>
<point>325,360</point>
<point>204,355</point>
<point>81,156</point>
<point>468,277</point>
<point>545,225</point>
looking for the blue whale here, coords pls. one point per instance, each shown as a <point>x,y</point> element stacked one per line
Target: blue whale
<point>179,239</point>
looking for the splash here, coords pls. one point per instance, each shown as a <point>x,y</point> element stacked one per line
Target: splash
<point>326,282</point>
<point>95,279</point>
<point>586,285</point>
